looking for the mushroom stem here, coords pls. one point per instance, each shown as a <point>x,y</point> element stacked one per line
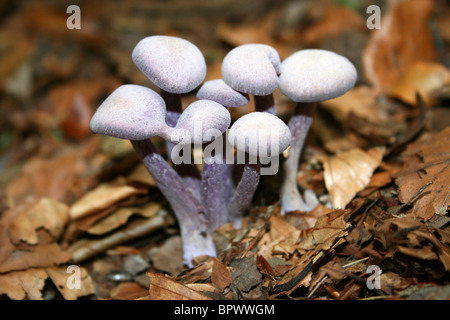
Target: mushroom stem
<point>265,103</point>
<point>197,240</point>
<point>244,193</point>
<point>173,106</point>
<point>215,182</point>
<point>188,171</point>
<point>299,126</point>
<point>213,193</point>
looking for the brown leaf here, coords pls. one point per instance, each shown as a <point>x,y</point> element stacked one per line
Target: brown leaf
<point>264,266</point>
<point>102,197</point>
<point>403,39</point>
<point>245,274</point>
<point>61,277</point>
<point>360,101</point>
<point>347,173</point>
<point>164,288</point>
<point>47,213</point>
<point>168,257</point>
<point>121,216</point>
<point>220,275</point>
<point>20,285</point>
<point>75,123</point>
<point>128,291</point>
<point>15,251</point>
<point>281,233</point>
<point>423,182</point>
<point>52,177</point>
<point>86,248</point>
<point>426,78</point>
<point>141,175</point>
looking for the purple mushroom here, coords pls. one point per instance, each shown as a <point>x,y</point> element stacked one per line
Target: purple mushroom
<point>308,77</point>
<point>217,179</point>
<point>137,113</point>
<point>176,66</point>
<point>213,124</point>
<point>253,69</point>
<point>257,136</point>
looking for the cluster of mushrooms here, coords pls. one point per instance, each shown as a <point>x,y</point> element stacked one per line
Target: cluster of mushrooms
<point>204,201</point>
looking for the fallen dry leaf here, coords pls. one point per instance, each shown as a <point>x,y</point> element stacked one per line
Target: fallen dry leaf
<point>128,291</point>
<point>61,278</point>
<point>423,243</point>
<point>102,197</point>
<point>168,258</point>
<point>426,78</point>
<point>25,241</point>
<point>220,275</point>
<point>404,38</point>
<point>141,175</point>
<point>360,101</point>
<point>121,216</point>
<point>47,213</point>
<point>21,285</point>
<point>164,288</point>
<point>349,172</point>
<point>423,182</point>
<point>328,230</point>
<point>52,177</point>
<point>86,248</point>
<point>281,233</point>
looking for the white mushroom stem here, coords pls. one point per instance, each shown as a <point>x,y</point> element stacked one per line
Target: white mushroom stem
<point>188,172</point>
<point>244,193</point>
<point>197,241</point>
<point>265,103</point>
<point>299,126</point>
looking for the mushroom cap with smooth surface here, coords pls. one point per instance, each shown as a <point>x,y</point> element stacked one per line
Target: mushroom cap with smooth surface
<point>252,69</point>
<point>260,134</point>
<point>314,75</point>
<point>220,92</point>
<point>173,64</point>
<point>131,112</point>
<point>201,122</point>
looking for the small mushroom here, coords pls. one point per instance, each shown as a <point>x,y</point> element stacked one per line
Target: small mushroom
<point>200,122</point>
<point>204,122</point>
<point>217,176</point>
<point>253,69</point>
<point>137,113</point>
<point>176,66</point>
<point>173,64</point>
<point>132,112</point>
<point>218,91</point>
<point>308,77</point>
<point>259,136</point>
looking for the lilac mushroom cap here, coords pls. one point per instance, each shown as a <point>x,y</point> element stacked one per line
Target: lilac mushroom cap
<point>198,120</point>
<point>308,77</point>
<point>131,112</point>
<point>173,64</point>
<point>252,69</point>
<point>315,75</point>
<point>220,92</point>
<point>260,134</point>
